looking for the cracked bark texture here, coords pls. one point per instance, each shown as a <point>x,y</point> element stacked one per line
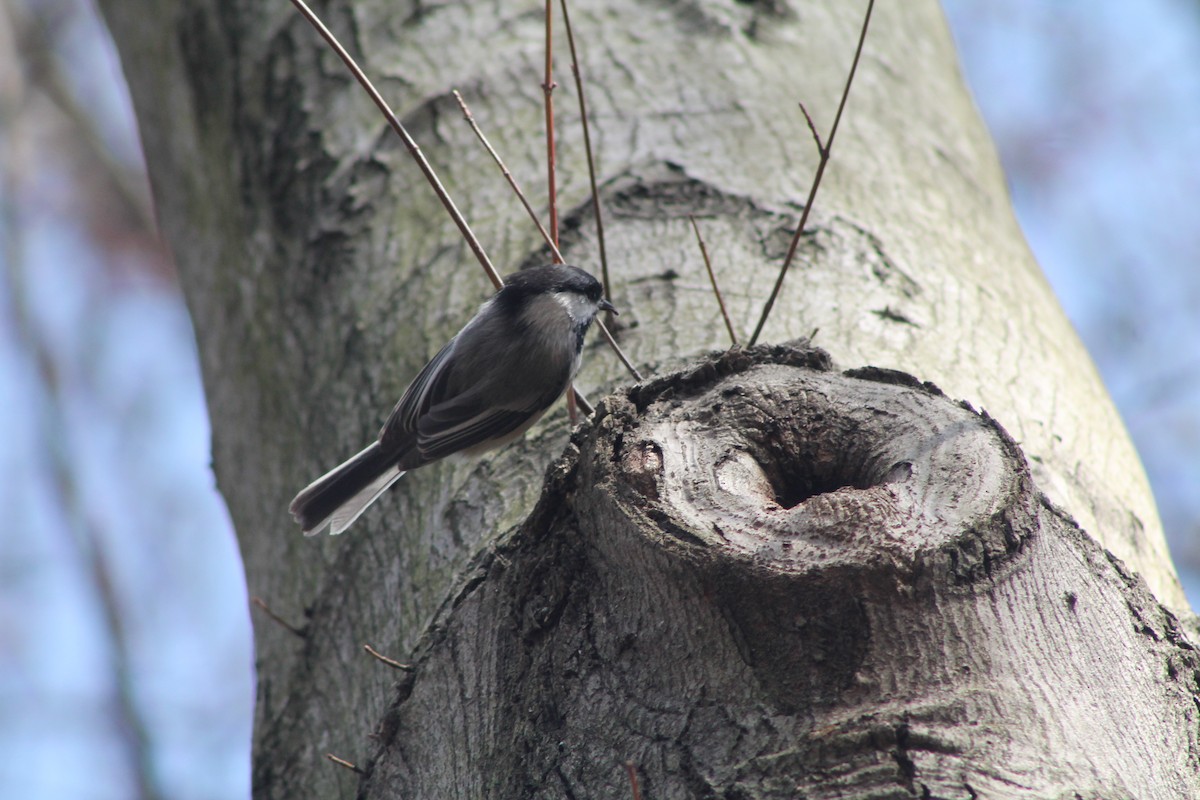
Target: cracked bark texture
<point>761,578</point>
<point>874,631</point>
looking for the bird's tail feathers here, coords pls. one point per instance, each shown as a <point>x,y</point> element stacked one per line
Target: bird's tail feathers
<point>352,509</point>
<point>340,496</point>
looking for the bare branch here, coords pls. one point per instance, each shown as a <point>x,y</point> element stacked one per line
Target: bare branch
<point>341,762</point>
<point>431,176</point>
<point>631,770</point>
<point>67,495</point>
<point>391,662</point>
<point>712,276</point>
<point>548,86</point>
<point>507,175</point>
<point>608,337</point>
<point>572,410</point>
<point>413,149</point>
<point>812,128</point>
<point>259,603</point>
<point>587,148</point>
<point>812,193</point>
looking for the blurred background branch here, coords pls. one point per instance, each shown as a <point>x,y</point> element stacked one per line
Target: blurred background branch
<point>95,352</point>
<point>50,425</point>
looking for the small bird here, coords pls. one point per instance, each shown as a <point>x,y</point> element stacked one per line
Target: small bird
<point>485,388</point>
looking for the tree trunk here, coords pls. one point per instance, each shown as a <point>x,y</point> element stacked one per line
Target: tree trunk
<point>757,577</point>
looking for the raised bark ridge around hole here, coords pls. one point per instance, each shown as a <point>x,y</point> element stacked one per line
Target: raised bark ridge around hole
<point>767,457</point>
<point>885,607</point>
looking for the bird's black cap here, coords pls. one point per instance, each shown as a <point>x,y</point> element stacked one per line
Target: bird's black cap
<point>553,278</point>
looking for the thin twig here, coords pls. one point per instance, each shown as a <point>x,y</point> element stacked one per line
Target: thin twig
<point>549,243</point>
<point>572,408</point>
<point>581,402</point>
<point>631,769</point>
<point>712,276</point>
<point>45,70</point>
<point>548,86</point>
<point>391,662</point>
<point>587,148</point>
<point>504,170</point>
<point>431,176</point>
<point>608,337</point>
<point>812,193</point>
<point>341,762</point>
<point>413,149</point>
<point>258,601</point>
<point>812,128</point>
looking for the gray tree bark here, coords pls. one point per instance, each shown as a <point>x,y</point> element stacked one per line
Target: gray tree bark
<point>757,577</point>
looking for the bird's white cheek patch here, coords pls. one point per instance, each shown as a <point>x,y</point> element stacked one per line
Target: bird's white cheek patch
<point>575,305</point>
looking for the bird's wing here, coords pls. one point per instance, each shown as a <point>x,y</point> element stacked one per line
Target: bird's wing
<point>426,390</point>
<point>468,421</point>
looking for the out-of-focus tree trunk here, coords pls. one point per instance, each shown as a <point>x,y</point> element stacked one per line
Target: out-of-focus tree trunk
<point>758,578</point>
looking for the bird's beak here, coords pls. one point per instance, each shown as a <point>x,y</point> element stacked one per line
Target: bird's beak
<point>609,307</point>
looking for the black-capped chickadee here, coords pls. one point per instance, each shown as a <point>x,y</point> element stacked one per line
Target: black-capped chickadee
<point>486,387</point>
